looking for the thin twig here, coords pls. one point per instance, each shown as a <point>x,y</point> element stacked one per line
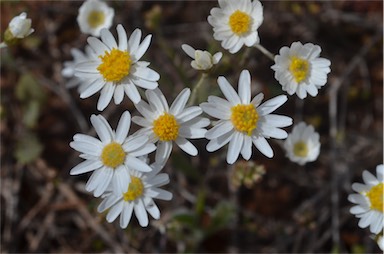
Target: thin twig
<point>265,51</point>
<point>192,100</point>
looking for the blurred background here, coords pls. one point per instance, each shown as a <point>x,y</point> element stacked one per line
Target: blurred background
<point>264,205</point>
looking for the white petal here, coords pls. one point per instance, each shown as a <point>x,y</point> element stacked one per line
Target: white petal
<point>137,164</point>
<point>181,100</point>
<point>126,214</point>
<point>141,213</point>
<point>228,91</point>
<point>221,128</point>
<point>118,94</point>
<point>153,210</point>
<point>142,47</point>
<point>132,93</point>
<point>271,105</point>
<point>186,146</point>
<point>85,166</point>
<point>114,212</point>
<point>97,46</point>
<point>188,50</point>
<point>106,176</point>
<point>86,148</point>
<point>188,114</point>
<point>120,180</point>
<point>214,111</point>
<point>107,38</point>
<point>263,146</point>
<point>107,203</point>
<point>245,87</point>
<point>147,149</point>
<point>122,35</point>
<point>146,84</point>
<point>106,95</point>
<point>163,152</point>
<point>369,178</point>
<point>123,127</point>
<point>234,148</point>
<point>93,88</point>
<point>147,74</point>
<point>219,142</point>
<point>192,133</point>
<point>134,40</point>
<point>246,150</point>
<point>159,194</point>
<point>134,142</point>
<point>102,128</point>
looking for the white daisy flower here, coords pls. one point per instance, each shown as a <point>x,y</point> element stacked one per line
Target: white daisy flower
<point>116,68</point>
<point>166,125</point>
<point>302,144</point>
<point>202,60</point>
<point>242,121</point>
<point>111,156</point>
<point>69,66</point>
<point>93,16</point>
<point>138,197</point>
<point>235,23</point>
<point>300,70</point>
<point>369,200</point>
<point>20,26</point>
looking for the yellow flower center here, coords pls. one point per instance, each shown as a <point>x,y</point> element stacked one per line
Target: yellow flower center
<point>375,195</point>
<point>166,127</point>
<point>113,155</point>
<point>240,22</point>
<point>115,65</point>
<point>299,68</point>
<point>96,18</point>
<point>135,189</point>
<point>244,118</point>
<point>300,149</point>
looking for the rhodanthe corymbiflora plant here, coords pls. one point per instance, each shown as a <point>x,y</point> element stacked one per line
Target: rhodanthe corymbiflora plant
<point>126,164</point>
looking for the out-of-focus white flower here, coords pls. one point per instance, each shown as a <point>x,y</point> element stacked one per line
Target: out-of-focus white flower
<point>112,156</point>
<point>69,66</point>
<point>115,68</point>
<point>369,200</point>
<point>165,125</point>
<point>93,16</point>
<point>302,144</point>
<point>236,22</point>
<point>300,70</point>
<point>243,121</point>
<point>20,26</point>
<point>137,197</point>
<point>202,60</point>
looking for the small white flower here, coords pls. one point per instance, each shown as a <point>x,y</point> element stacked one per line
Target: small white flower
<point>235,23</point>
<point>93,16</point>
<point>202,60</point>
<point>302,144</point>
<point>138,197</point>
<point>20,26</point>
<point>300,70</point>
<point>242,121</point>
<point>69,66</point>
<point>110,157</point>
<point>369,200</point>
<point>166,125</point>
<point>116,68</point>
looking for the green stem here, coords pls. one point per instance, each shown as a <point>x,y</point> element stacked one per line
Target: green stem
<point>196,88</point>
<point>265,51</point>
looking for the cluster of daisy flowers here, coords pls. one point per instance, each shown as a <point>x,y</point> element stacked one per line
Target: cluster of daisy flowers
<point>123,175</point>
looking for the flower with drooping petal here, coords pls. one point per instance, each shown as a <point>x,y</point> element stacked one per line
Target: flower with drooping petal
<point>137,197</point>
<point>112,156</point>
<point>20,26</point>
<point>235,23</point>
<point>243,121</point>
<point>69,66</point>
<point>300,70</point>
<point>116,68</point>
<point>93,16</point>
<point>302,144</point>
<point>202,60</point>
<point>369,200</point>
<point>165,125</point>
